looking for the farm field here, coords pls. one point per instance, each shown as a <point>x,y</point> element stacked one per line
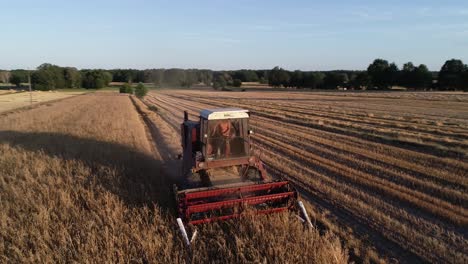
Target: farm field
<point>88,179</point>
<point>10,101</point>
<point>385,171</point>
<point>3,92</point>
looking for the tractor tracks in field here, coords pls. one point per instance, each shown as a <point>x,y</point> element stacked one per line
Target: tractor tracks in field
<point>162,143</point>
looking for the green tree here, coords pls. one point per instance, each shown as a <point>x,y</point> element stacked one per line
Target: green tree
<point>126,88</point>
<point>44,78</point>
<point>278,76</point>
<point>219,81</point>
<point>155,76</point>
<point>174,77</point>
<point>56,72</point>
<point>422,77</point>
<point>297,79</point>
<point>465,79</point>
<point>127,75</point>
<point>415,77</point>
<point>17,77</point>
<point>190,78</point>
<point>141,90</point>
<point>393,74</point>
<point>95,79</point>
<point>205,76</point>
<point>382,74</point>
<point>361,81</point>
<point>72,77</point>
<point>48,77</point>
<point>319,79</point>
<point>407,75</point>
<point>262,76</point>
<point>237,83</point>
<point>333,80</point>
<point>451,75</point>
<point>106,77</point>
<point>246,75</point>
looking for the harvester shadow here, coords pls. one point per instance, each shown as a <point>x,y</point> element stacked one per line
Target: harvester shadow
<point>135,177</point>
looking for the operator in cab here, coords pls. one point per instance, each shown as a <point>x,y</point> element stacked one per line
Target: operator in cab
<point>221,134</point>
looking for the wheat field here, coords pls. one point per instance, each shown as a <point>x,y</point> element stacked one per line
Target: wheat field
<point>387,172</point>
<point>87,179</point>
<point>13,100</point>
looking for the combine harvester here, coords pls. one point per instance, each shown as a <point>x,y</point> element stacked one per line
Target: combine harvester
<point>222,178</point>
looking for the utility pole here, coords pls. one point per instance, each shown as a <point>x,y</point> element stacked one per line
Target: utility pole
<point>30,90</point>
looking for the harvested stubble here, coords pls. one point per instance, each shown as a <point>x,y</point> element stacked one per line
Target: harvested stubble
<point>13,100</point>
<point>390,168</point>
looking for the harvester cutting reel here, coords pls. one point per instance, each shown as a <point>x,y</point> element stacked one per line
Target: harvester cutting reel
<point>302,216</point>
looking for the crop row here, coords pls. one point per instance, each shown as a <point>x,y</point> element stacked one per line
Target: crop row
<point>372,187</point>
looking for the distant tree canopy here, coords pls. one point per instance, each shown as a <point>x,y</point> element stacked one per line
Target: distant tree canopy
<point>236,83</point>
<point>380,74</point>
<point>48,77</point>
<point>126,88</point>
<point>220,80</point>
<point>165,77</point>
<point>127,75</point>
<point>453,75</point>
<point>174,77</point>
<point>245,75</point>
<point>417,77</point>
<point>278,77</point>
<point>17,77</point>
<point>301,79</point>
<point>360,80</point>
<point>141,90</point>
<point>205,77</point>
<point>95,79</point>
<point>333,80</point>
<point>72,77</point>
<point>383,74</point>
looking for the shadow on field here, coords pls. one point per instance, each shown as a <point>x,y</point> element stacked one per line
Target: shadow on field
<point>137,178</point>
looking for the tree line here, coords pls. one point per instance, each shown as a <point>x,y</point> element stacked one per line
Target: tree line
<point>188,77</point>
<point>50,77</point>
<point>380,75</point>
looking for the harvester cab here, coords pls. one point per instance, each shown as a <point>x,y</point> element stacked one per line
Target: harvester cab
<point>221,177</point>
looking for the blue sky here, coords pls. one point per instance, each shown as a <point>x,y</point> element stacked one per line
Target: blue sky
<point>307,35</point>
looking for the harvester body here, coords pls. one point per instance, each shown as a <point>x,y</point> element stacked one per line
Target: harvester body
<point>221,177</point>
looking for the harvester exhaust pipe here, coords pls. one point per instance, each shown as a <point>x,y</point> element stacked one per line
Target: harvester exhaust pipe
<point>304,213</point>
<point>185,115</point>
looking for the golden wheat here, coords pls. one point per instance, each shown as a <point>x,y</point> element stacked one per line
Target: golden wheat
<point>388,168</point>
<point>81,181</point>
